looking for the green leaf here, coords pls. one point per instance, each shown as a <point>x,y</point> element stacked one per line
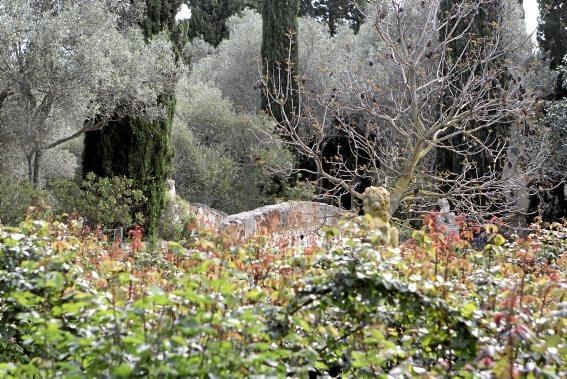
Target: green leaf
<point>27,299</point>
<point>498,240</point>
<point>123,371</point>
<point>468,309</point>
<point>359,359</point>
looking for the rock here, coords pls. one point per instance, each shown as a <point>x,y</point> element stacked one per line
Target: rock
<point>376,203</point>
<point>206,216</point>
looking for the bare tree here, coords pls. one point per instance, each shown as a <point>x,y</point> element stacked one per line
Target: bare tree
<point>421,98</point>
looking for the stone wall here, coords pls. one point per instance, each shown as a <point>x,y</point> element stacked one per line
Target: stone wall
<point>289,223</point>
<point>206,216</point>
<point>293,222</point>
<point>296,223</point>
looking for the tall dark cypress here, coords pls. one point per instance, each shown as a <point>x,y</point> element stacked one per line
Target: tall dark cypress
<point>136,147</point>
<point>208,17</point>
<point>280,58</point>
<point>481,28</point>
<point>160,16</point>
<point>552,39</point>
<point>552,30</point>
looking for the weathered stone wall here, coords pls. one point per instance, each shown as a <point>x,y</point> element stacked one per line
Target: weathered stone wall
<point>289,223</point>
<point>293,222</point>
<point>206,216</point>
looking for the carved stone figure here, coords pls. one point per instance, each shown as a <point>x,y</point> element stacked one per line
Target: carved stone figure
<point>376,207</point>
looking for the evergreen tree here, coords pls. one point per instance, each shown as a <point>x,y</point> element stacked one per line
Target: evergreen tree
<point>480,26</point>
<point>552,39</point>
<point>160,16</point>
<point>306,8</point>
<point>552,30</point>
<point>133,146</point>
<point>280,57</point>
<point>208,17</point>
<point>335,12</point>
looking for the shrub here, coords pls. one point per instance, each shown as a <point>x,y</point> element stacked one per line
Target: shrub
<point>233,65</point>
<point>175,221</point>
<point>72,305</point>
<point>224,159</point>
<point>108,202</point>
<point>16,196</point>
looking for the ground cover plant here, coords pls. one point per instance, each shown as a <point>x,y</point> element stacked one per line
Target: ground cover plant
<point>74,304</point>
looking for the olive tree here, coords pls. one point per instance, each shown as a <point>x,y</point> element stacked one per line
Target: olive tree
<point>67,67</point>
<point>224,158</point>
<point>233,65</point>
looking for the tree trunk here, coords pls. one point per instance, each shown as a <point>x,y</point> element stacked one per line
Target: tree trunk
<point>29,158</point>
<point>38,155</point>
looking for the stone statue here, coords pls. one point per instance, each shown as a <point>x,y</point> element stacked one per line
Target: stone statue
<point>376,207</point>
<point>446,219</point>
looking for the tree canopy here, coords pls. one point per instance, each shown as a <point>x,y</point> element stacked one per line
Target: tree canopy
<point>68,67</point>
<point>552,30</point>
<point>136,146</point>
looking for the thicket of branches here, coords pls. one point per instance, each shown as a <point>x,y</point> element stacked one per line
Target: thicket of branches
<point>419,79</point>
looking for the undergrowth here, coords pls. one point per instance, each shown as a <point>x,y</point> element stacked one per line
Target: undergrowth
<point>74,304</point>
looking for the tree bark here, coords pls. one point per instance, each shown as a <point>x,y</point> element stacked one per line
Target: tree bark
<point>38,155</point>
<point>29,158</point>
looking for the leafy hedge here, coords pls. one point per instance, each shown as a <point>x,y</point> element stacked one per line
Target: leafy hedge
<point>73,305</point>
<point>16,196</point>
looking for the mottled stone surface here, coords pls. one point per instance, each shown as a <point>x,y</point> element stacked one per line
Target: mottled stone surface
<point>293,223</point>
<point>376,203</point>
<point>376,207</point>
<point>446,220</point>
<point>170,186</point>
<point>206,216</point>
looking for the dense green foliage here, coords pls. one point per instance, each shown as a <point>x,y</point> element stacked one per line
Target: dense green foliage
<point>224,159</point>
<point>551,203</point>
<point>232,67</point>
<point>280,58</point>
<point>160,16</point>
<point>73,305</point>
<point>108,202</point>
<point>137,149</point>
<point>66,67</point>
<point>552,35</point>
<point>457,298</point>
<point>15,198</point>
<point>176,220</point>
<point>208,18</point>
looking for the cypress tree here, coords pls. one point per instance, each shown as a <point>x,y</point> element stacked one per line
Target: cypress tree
<point>208,17</point>
<point>552,30</point>
<point>552,39</point>
<point>306,8</point>
<point>160,16</point>
<point>136,147</point>
<point>481,28</point>
<point>280,57</point>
